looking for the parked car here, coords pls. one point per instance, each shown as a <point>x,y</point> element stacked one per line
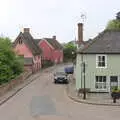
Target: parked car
<point>69,70</point>
<point>60,77</point>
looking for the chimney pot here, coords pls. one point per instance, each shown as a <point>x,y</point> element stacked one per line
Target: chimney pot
<point>54,37</point>
<point>26,30</point>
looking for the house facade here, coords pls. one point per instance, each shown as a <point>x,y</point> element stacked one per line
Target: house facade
<point>25,46</point>
<point>51,49</point>
<point>101,70</point>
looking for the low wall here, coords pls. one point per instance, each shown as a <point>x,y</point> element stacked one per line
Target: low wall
<point>13,83</point>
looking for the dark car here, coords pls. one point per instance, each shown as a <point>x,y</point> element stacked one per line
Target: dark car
<point>60,77</point>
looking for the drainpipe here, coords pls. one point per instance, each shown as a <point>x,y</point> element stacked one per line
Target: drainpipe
<point>81,69</point>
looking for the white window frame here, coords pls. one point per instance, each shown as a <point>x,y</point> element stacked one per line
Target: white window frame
<point>98,61</point>
<point>100,83</point>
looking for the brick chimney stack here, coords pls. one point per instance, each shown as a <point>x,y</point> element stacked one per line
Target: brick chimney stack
<point>54,37</point>
<point>80,33</point>
<point>26,30</point>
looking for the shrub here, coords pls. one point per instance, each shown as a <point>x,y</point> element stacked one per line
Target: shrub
<point>115,89</point>
<point>10,64</point>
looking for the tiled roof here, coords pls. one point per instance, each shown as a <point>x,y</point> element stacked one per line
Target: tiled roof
<point>29,41</point>
<point>106,42</point>
<point>37,40</point>
<point>54,43</point>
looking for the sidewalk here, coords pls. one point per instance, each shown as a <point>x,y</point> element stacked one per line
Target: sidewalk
<point>92,98</point>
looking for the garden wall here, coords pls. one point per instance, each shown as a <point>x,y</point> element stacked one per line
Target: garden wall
<point>13,83</point>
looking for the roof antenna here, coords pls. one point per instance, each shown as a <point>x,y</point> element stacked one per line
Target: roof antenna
<point>83,18</point>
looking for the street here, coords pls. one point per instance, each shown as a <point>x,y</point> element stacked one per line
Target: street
<point>44,100</point>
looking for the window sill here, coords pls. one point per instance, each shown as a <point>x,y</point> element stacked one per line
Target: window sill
<point>102,67</point>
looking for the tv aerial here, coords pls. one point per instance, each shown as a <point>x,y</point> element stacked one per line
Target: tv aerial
<point>83,18</point>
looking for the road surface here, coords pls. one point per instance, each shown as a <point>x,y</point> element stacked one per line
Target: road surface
<point>44,100</point>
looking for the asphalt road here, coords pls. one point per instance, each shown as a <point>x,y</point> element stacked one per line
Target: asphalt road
<point>44,100</point>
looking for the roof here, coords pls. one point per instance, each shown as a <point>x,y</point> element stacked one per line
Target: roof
<point>106,42</point>
<point>37,40</point>
<point>54,43</point>
<point>28,61</point>
<point>29,41</point>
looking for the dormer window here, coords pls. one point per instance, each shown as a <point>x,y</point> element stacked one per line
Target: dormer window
<point>101,61</point>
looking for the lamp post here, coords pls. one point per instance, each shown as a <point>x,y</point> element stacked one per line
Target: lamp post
<point>84,91</point>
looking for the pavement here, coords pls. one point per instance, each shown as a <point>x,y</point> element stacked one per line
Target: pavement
<point>91,98</point>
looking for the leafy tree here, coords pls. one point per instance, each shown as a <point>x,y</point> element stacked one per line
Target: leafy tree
<point>69,51</point>
<point>10,64</point>
<point>115,23</point>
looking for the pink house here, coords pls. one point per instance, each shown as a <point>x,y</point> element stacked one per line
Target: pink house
<point>51,49</point>
<point>25,46</point>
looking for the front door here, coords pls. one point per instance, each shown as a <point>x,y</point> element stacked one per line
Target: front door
<point>113,82</point>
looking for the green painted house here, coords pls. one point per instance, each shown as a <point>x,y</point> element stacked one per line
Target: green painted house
<point>102,63</point>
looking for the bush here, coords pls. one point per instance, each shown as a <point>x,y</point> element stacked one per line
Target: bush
<point>10,64</point>
<point>115,89</point>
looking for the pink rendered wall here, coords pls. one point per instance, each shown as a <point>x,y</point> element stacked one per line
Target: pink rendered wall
<point>50,53</point>
<point>58,56</point>
<point>37,63</point>
<point>46,49</point>
<point>22,49</point>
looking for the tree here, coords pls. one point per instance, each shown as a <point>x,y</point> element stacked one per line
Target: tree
<point>10,64</point>
<point>69,51</point>
<point>114,24</point>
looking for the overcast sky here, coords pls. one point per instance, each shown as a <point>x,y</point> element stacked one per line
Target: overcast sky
<point>46,18</point>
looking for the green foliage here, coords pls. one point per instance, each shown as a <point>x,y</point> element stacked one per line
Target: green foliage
<point>113,25</point>
<point>10,64</point>
<point>115,89</point>
<point>69,52</point>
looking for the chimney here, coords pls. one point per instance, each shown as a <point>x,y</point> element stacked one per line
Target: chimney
<point>26,30</point>
<point>54,37</point>
<point>80,33</point>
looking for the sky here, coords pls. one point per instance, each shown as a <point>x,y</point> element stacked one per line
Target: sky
<point>47,18</point>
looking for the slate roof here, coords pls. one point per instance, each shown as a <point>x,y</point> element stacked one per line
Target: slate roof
<point>28,61</point>
<point>54,43</point>
<point>37,40</point>
<point>29,41</point>
<point>106,42</point>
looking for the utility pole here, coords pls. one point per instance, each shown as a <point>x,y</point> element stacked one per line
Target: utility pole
<point>84,93</point>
